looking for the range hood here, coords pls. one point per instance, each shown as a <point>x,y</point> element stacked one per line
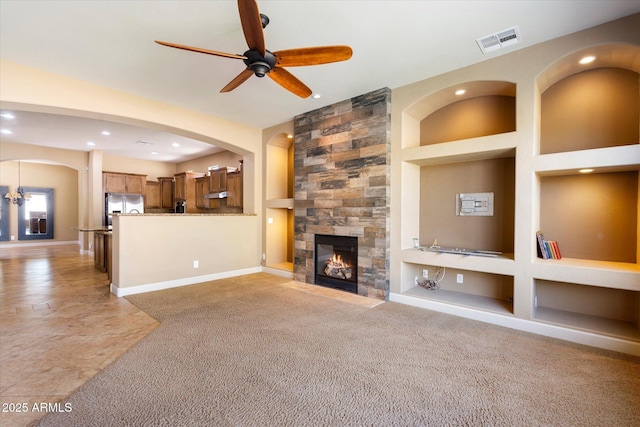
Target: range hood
<point>220,195</point>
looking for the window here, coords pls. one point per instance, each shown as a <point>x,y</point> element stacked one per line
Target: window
<point>4,214</point>
<point>36,215</point>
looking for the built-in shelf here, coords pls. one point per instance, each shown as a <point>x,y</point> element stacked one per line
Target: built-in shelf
<point>592,294</point>
<point>611,159</point>
<point>472,149</point>
<point>584,322</point>
<point>616,275</point>
<point>464,299</point>
<point>502,264</point>
<point>602,309</point>
<point>279,203</point>
<point>592,216</point>
<point>278,206</point>
<point>470,288</point>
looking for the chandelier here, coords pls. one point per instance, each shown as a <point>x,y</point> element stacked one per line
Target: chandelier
<point>19,196</point>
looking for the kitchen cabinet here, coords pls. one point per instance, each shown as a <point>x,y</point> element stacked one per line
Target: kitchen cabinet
<point>159,194</point>
<point>102,252</point>
<point>99,258</point>
<point>108,251</point>
<point>152,195</point>
<point>180,189</point>
<point>166,192</point>
<point>234,189</point>
<point>185,190</point>
<point>202,188</point>
<point>218,180</point>
<point>114,182</point>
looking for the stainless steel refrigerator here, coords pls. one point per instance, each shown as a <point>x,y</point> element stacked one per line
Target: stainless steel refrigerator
<point>121,203</point>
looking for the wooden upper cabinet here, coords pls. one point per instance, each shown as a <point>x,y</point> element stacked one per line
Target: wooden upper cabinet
<point>234,189</point>
<point>152,197</point>
<point>218,180</point>
<point>166,192</point>
<point>202,188</point>
<point>180,188</point>
<point>185,190</point>
<point>113,182</point>
<point>135,183</point>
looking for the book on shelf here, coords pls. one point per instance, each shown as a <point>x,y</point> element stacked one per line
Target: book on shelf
<point>547,249</point>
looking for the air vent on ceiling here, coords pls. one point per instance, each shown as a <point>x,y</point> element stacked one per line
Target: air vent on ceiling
<point>501,39</point>
<point>141,142</point>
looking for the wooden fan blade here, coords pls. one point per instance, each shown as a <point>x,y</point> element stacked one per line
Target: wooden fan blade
<point>240,78</point>
<point>200,50</point>
<point>289,82</point>
<point>312,56</point>
<point>252,25</point>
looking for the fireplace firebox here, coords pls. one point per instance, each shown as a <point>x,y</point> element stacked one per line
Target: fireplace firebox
<point>336,262</point>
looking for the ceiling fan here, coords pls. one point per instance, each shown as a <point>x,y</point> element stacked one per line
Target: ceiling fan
<point>261,62</point>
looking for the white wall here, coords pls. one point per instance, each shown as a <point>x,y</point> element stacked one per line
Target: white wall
<point>152,252</point>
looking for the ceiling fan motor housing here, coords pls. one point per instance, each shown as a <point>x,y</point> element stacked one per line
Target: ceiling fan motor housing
<point>260,65</point>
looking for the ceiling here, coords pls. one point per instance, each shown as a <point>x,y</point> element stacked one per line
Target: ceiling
<point>111,43</point>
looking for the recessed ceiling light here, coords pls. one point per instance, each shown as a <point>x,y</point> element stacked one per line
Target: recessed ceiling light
<point>90,143</point>
<point>175,144</point>
<point>6,131</point>
<point>587,60</point>
<point>460,92</point>
<point>317,95</point>
<point>585,170</point>
<point>8,116</point>
<point>289,136</point>
<point>105,132</point>
<point>154,152</point>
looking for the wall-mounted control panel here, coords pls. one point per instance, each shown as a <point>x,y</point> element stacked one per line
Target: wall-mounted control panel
<point>474,204</point>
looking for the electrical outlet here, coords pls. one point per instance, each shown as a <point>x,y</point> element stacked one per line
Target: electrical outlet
<point>264,257</point>
<point>425,274</point>
<point>196,264</point>
<point>460,278</point>
<point>13,237</point>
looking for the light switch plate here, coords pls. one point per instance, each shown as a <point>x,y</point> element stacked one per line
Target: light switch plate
<point>474,204</point>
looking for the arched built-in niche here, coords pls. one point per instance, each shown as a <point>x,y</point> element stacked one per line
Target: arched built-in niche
<point>593,105</point>
<point>588,180</point>
<point>279,202</point>
<point>454,144</point>
<point>591,111</point>
<point>494,100</point>
<point>486,109</point>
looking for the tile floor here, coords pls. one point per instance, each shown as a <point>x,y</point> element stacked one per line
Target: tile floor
<point>59,326</point>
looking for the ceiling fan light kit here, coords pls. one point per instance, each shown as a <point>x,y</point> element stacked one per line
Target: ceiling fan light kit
<point>261,62</point>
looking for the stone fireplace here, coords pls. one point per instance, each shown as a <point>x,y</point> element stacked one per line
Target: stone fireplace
<point>342,188</point>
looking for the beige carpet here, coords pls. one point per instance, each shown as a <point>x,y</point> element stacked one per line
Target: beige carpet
<point>257,351</point>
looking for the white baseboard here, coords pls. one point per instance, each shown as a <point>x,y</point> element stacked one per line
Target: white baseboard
<point>32,243</point>
<point>277,272</point>
<point>539,328</point>
<point>158,286</point>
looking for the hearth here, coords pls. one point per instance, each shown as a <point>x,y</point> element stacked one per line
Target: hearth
<point>336,262</point>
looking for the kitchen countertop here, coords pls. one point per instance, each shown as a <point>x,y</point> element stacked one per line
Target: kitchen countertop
<point>93,230</point>
<point>182,214</point>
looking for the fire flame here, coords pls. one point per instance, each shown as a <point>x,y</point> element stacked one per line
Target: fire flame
<point>336,261</point>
